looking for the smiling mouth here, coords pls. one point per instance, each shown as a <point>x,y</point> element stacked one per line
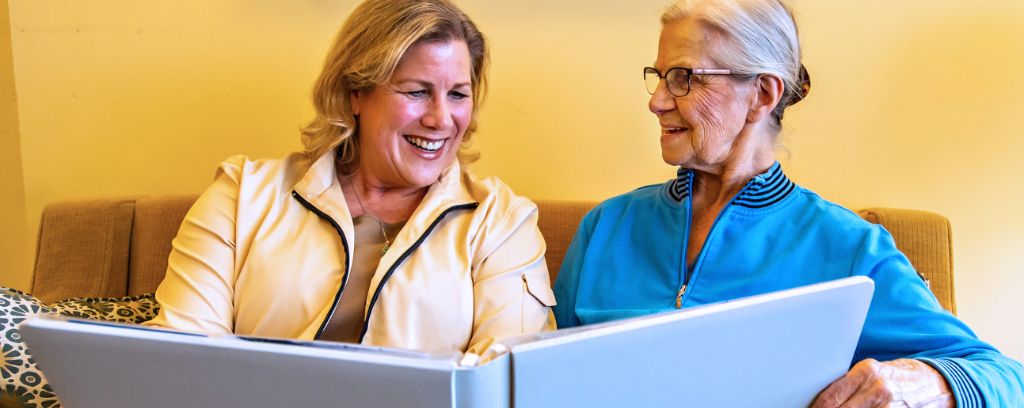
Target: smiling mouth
<point>672,131</point>
<point>425,144</point>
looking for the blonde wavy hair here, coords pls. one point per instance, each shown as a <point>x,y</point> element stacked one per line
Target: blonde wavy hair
<point>365,54</point>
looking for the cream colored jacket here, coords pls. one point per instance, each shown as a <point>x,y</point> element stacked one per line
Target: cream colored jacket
<point>264,251</point>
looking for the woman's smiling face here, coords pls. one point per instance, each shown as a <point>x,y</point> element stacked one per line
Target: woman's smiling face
<point>411,127</point>
<point>699,129</point>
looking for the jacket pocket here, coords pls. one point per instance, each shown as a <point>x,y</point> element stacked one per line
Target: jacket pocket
<point>539,286</point>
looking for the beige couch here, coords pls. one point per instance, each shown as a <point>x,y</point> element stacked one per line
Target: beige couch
<point>118,246</point>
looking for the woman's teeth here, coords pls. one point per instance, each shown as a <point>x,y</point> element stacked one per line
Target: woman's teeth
<point>424,144</point>
<point>673,130</point>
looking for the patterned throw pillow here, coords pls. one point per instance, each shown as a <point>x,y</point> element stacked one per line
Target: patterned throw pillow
<point>21,382</point>
<point>134,309</point>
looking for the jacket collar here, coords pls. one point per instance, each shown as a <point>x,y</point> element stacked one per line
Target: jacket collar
<point>766,189</point>
<point>319,178</point>
<point>763,190</point>
<point>321,188</point>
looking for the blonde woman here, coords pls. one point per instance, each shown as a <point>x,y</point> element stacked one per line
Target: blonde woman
<point>375,234</point>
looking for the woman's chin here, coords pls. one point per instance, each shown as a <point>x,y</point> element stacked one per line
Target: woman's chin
<point>422,168</point>
<point>674,157</point>
<point>422,175</point>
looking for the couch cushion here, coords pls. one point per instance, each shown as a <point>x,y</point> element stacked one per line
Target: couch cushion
<point>83,250</point>
<point>156,224</point>
<point>557,221</point>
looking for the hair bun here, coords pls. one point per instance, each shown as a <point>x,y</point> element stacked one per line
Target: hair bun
<point>805,82</point>
<point>804,88</point>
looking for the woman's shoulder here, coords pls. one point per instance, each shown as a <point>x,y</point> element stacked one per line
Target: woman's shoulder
<point>285,171</point>
<point>242,165</point>
<point>491,193</point>
<point>499,213</point>
<point>644,199</point>
<point>257,182</point>
<point>834,221</point>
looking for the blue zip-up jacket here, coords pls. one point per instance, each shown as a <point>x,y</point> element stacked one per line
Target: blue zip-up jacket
<point>628,258</point>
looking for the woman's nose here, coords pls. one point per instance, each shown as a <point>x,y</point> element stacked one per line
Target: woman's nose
<point>661,100</point>
<point>438,115</point>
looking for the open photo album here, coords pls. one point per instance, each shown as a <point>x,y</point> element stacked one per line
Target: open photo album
<point>775,349</point>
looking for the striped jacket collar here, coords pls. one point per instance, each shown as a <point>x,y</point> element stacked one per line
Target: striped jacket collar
<point>762,191</point>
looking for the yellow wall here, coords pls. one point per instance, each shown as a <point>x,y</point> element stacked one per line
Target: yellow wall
<point>14,238</point>
<point>915,104</point>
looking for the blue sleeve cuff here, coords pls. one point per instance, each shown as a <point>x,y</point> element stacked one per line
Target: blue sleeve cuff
<point>964,389</point>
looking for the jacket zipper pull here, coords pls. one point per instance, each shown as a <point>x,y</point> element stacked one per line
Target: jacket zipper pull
<point>679,297</point>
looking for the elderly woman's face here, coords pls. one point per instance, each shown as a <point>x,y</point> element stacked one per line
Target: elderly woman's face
<point>700,129</point>
<point>410,128</point>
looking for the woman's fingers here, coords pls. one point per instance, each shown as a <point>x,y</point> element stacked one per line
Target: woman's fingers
<point>842,391</point>
<point>898,383</point>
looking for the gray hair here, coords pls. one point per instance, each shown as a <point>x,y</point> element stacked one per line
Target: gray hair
<point>760,38</point>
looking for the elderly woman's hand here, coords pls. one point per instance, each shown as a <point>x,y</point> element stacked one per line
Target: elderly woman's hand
<point>898,383</point>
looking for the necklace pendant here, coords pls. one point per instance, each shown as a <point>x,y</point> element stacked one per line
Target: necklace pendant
<point>385,249</point>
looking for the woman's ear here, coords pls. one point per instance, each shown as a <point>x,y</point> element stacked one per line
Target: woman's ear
<point>353,101</point>
<point>768,91</point>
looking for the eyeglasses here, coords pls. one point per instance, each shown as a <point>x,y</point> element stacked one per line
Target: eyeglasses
<point>678,78</point>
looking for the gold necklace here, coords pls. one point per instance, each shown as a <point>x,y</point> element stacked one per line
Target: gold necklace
<point>387,242</point>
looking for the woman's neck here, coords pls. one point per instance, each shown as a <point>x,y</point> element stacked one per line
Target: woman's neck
<point>366,194</point>
<point>716,184</point>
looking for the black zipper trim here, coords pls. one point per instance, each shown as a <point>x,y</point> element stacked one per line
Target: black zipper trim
<point>344,246</point>
<point>391,270</point>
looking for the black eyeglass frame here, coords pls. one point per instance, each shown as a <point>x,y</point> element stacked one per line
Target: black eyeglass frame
<point>690,72</point>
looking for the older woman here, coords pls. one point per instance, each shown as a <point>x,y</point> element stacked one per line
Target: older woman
<point>374,234</point>
<point>732,224</point>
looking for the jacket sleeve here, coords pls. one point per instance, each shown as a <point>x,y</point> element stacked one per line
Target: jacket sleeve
<point>568,280</point>
<point>198,289</point>
<point>512,288</point>
<point>906,321</point>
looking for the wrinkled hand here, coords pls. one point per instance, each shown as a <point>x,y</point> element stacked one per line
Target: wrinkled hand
<point>898,383</point>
